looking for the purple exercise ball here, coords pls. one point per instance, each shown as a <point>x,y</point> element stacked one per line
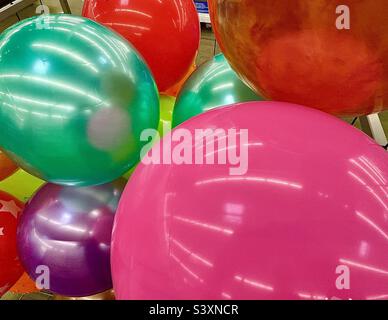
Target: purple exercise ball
<point>67,232</point>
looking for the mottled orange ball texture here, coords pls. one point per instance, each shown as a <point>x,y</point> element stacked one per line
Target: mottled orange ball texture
<point>326,54</point>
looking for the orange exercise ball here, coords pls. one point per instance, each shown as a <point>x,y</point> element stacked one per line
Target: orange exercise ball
<point>7,166</point>
<point>328,54</point>
<point>24,285</point>
<point>174,91</point>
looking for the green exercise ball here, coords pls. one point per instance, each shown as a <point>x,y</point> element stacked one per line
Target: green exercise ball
<point>74,99</point>
<point>214,84</point>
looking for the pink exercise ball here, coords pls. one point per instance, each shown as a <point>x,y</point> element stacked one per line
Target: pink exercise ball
<point>307,220</point>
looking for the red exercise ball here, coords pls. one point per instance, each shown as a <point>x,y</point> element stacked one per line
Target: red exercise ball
<point>328,54</point>
<point>10,267</point>
<point>165,32</point>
